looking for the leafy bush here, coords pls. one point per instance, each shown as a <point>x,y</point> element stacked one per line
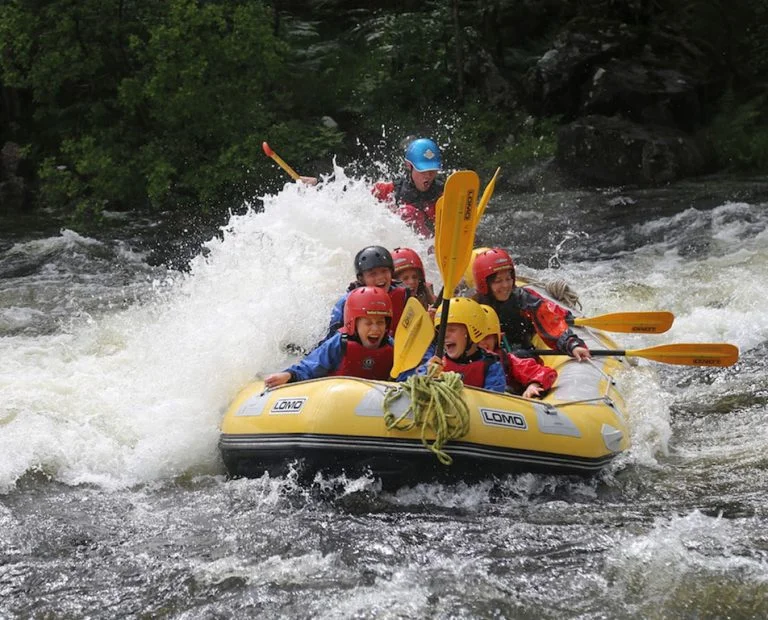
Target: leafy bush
<point>485,138</point>
<point>739,133</point>
<point>163,106</point>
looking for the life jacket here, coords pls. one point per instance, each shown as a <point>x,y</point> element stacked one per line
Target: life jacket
<point>407,194</point>
<point>526,313</point>
<point>472,369</point>
<point>357,361</point>
<point>518,330</point>
<point>398,295</point>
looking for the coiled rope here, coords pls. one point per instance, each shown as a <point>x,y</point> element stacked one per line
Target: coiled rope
<point>560,291</point>
<point>437,404</point>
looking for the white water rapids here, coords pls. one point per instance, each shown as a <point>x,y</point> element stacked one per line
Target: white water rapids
<point>114,376</point>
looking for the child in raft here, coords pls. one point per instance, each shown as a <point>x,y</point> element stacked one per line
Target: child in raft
<point>520,310</point>
<point>373,267</point>
<point>525,376</point>
<point>465,328</point>
<point>410,271</point>
<point>361,348</point>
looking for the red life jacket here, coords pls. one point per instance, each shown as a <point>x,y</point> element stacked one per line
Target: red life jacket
<point>398,295</point>
<point>472,372</point>
<point>357,361</point>
<point>416,208</point>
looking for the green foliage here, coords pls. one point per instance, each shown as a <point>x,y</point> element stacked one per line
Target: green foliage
<point>739,133</point>
<point>165,104</point>
<point>525,140</point>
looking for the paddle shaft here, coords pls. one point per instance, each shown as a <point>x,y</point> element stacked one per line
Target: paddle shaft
<point>594,352</point>
<point>439,298</point>
<point>682,354</point>
<point>440,344</point>
<point>279,161</point>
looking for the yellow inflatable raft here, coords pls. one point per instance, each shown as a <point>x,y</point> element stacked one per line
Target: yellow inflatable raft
<point>337,424</point>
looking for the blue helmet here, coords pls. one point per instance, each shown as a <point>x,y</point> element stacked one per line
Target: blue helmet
<point>423,154</point>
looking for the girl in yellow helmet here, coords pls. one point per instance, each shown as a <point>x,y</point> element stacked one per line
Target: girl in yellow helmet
<point>465,328</point>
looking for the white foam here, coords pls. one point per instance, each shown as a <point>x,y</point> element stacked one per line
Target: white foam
<point>656,563</point>
<point>138,395</point>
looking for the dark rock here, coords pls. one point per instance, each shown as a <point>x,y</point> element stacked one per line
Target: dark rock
<point>541,177</point>
<point>555,82</point>
<point>615,151</point>
<point>498,91</point>
<point>10,158</point>
<point>643,94</point>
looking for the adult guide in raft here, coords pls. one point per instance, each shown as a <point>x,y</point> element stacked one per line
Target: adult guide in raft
<point>413,195</point>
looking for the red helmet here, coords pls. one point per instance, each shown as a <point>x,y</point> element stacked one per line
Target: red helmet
<point>406,258</point>
<point>489,263</point>
<point>366,301</point>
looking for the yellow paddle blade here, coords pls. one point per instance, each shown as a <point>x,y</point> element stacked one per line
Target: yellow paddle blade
<point>414,334</point>
<point>698,354</point>
<point>487,193</point>
<point>455,227</point>
<point>629,322</point>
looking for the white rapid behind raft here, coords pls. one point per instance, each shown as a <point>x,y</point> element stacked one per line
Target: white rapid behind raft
<point>137,395</point>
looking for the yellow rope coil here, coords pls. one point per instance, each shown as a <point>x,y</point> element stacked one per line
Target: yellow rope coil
<point>437,404</point>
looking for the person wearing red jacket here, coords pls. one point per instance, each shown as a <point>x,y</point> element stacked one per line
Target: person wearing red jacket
<point>522,311</point>
<point>410,271</point>
<point>414,195</point>
<point>526,376</point>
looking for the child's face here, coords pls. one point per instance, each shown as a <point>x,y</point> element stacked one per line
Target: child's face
<point>488,343</point>
<point>378,276</point>
<point>411,278</point>
<point>457,340</point>
<point>502,284</point>
<point>423,180</point>
<point>371,330</point>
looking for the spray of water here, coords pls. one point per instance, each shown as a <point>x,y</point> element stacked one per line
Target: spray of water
<point>137,395</point>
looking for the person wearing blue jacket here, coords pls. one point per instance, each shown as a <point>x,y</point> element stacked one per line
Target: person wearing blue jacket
<point>373,267</point>
<point>361,348</point>
<point>465,328</point>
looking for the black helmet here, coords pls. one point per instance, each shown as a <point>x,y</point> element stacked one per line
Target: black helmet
<point>371,257</point>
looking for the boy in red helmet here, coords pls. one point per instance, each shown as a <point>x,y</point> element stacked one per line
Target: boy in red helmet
<point>521,311</point>
<point>525,375</point>
<point>410,271</point>
<point>361,348</point>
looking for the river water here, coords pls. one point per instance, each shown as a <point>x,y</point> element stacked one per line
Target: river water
<point>115,371</point>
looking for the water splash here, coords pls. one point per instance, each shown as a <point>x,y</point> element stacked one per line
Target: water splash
<point>137,395</point>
